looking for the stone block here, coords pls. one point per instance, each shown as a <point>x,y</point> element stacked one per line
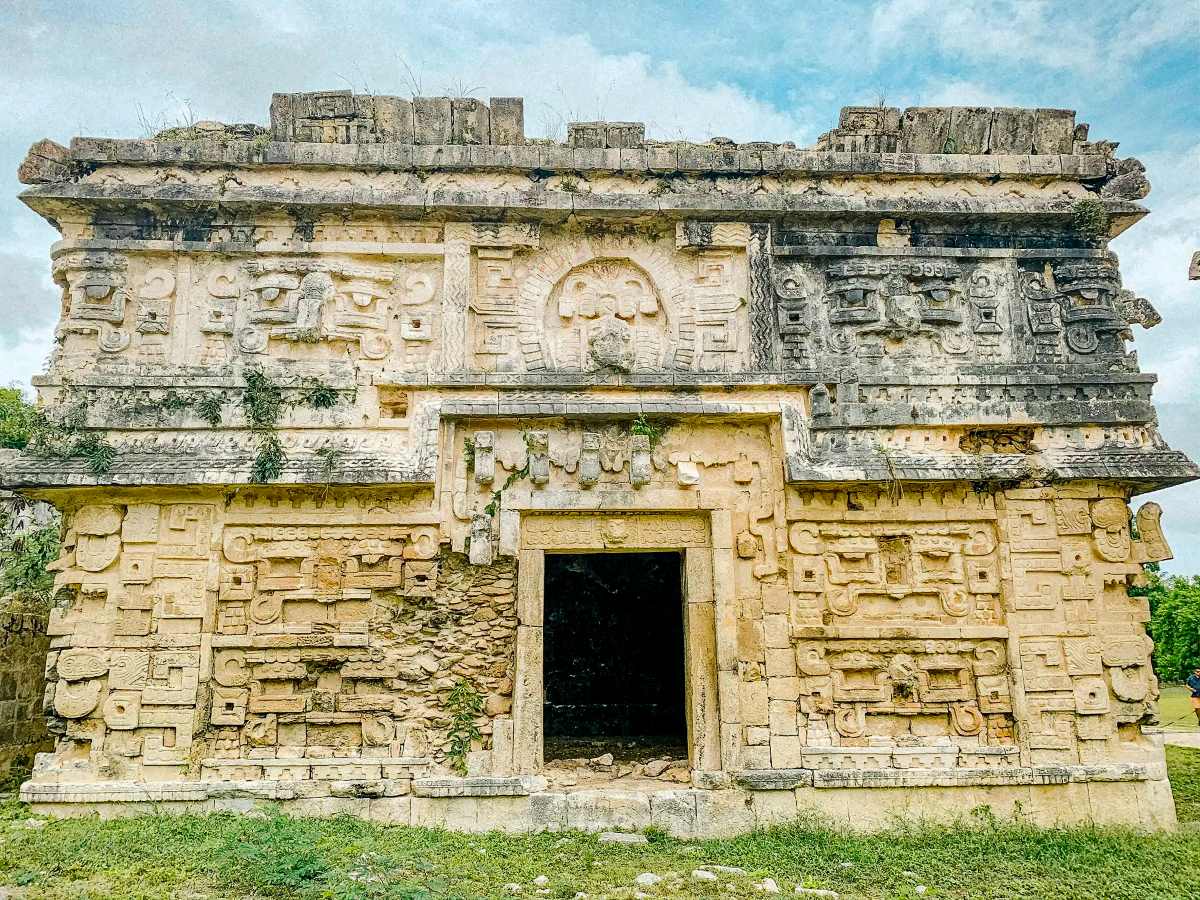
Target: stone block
<point>548,811</point>
<point>674,812</point>
<point>470,122</point>
<point>608,810</point>
<point>924,129</point>
<point>787,751</point>
<point>391,810</point>
<point>582,135</point>
<point>393,120</point>
<point>773,807</point>
<point>624,135</point>
<point>1012,130</point>
<point>970,129</point>
<point>723,813</point>
<point>432,120</point>
<point>1054,131</point>
<point>507,121</point>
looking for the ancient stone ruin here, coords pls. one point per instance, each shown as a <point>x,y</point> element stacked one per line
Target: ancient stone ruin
<point>418,469</point>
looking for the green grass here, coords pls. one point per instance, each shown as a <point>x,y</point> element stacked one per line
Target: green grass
<point>1184,766</point>
<point>272,855</point>
<point>1175,709</point>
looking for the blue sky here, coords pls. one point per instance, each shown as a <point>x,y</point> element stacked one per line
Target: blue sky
<point>764,70</point>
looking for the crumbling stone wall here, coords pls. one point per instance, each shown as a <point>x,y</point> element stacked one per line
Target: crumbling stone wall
<point>335,632</point>
<point>23,733</point>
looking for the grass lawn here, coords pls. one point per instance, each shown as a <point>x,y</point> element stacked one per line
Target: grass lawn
<point>1175,708</point>
<point>271,855</point>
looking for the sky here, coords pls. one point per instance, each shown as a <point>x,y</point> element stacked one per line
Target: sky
<point>762,70</point>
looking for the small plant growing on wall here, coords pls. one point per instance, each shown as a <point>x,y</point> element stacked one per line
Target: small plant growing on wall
<point>63,437</point>
<point>1089,218</point>
<point>318,395</point>
<point>465,705</point>
<point>652,429</point>
<point>264,402</point>
<point>208,407</point>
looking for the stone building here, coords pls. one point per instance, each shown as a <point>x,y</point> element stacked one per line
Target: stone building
<point>401,448</point>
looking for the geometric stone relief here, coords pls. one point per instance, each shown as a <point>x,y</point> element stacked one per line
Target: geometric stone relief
<point>906,689</point>
<point>916,572</point>
<point>880,307</point>
<point>318,301</point>
<point>609,303</point>
<point>334,630</point>
<point>1078,309</point>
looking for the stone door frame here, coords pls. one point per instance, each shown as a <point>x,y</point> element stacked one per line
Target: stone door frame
<point>711,724</point>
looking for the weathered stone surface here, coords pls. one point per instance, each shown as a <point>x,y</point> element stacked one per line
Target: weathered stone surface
<point>507,121</point>
<point>894,429</point>
<point>45,163</point>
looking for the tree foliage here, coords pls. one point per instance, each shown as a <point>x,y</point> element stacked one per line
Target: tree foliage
<point>1174,623</point>
<point>18,419</point>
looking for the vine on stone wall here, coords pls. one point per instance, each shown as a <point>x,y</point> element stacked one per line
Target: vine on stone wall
<point>66,437</point>
<point>263,404</point>
<point>465,705</point>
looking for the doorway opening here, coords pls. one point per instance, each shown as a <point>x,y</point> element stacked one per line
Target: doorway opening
<point>613,661</point>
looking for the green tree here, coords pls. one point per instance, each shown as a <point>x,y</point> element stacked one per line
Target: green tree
<point>17,419</point>
<point>24,555</point>
<point>1174,622</point>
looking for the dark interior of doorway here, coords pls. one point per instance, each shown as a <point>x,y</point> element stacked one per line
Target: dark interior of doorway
<point>613,663</point>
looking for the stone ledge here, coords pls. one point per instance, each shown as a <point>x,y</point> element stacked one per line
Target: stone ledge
<point>478,786</point>
<point>249,247</point>
<point>987,776</point>
<point>660,159</point>
<point>684,813</point>
<point>535,786</point>
<point>53,200</point>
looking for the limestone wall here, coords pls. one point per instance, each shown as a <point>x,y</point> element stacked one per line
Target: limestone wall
<point>330,391</point>
<point>200,639</point>
<point>23,733</point>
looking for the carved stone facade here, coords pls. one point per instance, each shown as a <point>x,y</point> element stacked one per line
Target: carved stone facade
<point>876,395</point>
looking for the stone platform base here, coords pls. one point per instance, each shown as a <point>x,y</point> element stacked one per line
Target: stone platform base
<point>1128,794</point>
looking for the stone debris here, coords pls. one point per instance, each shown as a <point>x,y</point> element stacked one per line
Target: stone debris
<point>703,875</point>
<point>817,892</point>
<point>647,879</point>
<point>541,881</point>
<point>767,886</point>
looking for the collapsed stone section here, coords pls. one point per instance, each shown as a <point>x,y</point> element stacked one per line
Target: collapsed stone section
<point>328,402</point>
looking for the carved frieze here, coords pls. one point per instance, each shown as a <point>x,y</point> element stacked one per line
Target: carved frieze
<point>1078,310</point>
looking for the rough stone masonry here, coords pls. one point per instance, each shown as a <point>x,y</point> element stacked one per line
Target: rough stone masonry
<point>330,391</point>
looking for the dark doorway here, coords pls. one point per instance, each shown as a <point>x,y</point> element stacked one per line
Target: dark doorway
<point>613,661</point>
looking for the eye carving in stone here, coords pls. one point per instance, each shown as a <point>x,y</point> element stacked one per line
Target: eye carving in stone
<point>887,303</point>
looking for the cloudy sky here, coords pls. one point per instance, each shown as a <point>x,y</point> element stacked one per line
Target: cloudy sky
<point>767,70</point>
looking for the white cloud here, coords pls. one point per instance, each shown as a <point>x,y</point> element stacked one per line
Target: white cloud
<point>25,357</point>
<point>597,85</point>
<point>963,93</point>
<point>1154,260</point>
<point>1069,37</point>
